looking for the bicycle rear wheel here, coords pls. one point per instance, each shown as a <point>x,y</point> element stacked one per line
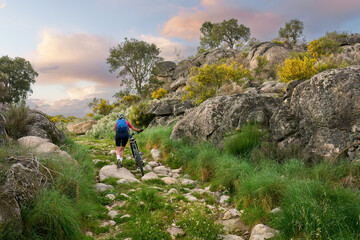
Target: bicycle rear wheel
<point>138,160</point>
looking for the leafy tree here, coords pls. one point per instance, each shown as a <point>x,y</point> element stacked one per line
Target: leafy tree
<point>292,31</point>
<point>228,31</point>
<point>136,60</point>
<point>16,76</point>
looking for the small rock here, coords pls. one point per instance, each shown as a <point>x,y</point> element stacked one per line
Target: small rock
<point>124,195</point>
<point>113,214</point>
<point>107,223</point>
<point>112,152</point>
<point>179,170</point>
<point>275,210</point>
<point>224,199</point>
<point>149,176</point>
<point>173,190</point>
<point>161,170</point>
<point>175,175</point>
<point>234,212</point>
<point>90,234</point>
<point>153,164</point>
<point>156,154</point>
<point>227,215</point>
<point>175,231</point>
<point>126,216</point>
<point>122,181</point>
<point>169,180</point>
<point>148,167</point>
<point>101,187</point>
<point>190,197</point>
<point>185,181</point>
<point>211,207</point>
<point>232,237</point>
<point>234,225</point>
<point>207,188</point>
<point>110,196</point>
<point>262,232</point>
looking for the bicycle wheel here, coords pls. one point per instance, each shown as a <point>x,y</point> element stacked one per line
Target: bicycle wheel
<point>138,160</point>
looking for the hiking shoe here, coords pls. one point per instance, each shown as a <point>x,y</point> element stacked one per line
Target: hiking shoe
<point>119,164</point>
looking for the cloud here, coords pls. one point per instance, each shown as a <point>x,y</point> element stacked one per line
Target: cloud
<point>2,4</point>
<point>67,59</point>
<point>187,23</point>
<point>264,17</point>
<point>170,50</point>
<point>66,107</point>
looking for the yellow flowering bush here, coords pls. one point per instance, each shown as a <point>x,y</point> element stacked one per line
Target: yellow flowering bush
<point>323,46</point>
<point>129,99</point>
<point>297,68</point>
<point>205,81</point>
<point>159,93</point>
<point>101,106</point>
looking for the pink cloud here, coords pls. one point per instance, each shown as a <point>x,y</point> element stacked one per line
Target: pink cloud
<point>67,59</point>
<point>187,23</point>
<point>3,3</point>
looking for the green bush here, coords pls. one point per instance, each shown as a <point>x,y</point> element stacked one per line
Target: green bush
<point>52,216</point>
<point>17,120</point>
<point>314,210</point>
<point>139,115</point>
<point>98,117</point>
<point>245,141</point>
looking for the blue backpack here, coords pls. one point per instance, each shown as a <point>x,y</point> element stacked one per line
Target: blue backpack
<point>121,126</point>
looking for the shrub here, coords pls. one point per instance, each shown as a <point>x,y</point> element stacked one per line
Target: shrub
<point>245,141</point>
<point>159,93</point>
<point>300,69</point>
<point>314,210</point>
<point>52,216</point>
<point>139,115</point>
<point>129,100</point>
<point>17,120</point>
<point>105,128</point>
<point>101,106</point>
<point>206,81</point>
<point>323,46</point>
<point>98,117</point>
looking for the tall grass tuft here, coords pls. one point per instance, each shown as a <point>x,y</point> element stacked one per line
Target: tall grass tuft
<point>245,141</point>
<point>52,216</point>
<point>314,210</point>
<point>17,120</point>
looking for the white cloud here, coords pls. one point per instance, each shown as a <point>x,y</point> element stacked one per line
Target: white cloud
<point>170,50</point>
<point>67,59</point>
<point>3,3</point>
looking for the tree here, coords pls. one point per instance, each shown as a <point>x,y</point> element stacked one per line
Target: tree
<point>292,31</point>
<point>101,106</point>
<point>228,31</point>
<point>16,76</point>
<point>136,60</point>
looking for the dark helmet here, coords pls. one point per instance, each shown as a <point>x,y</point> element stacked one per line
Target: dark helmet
<point>121,116</point>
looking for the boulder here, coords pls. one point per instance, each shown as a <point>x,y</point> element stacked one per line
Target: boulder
<point>161,170</point>
<point>101,187</point>
<point>234,225</point>
<point>182,107</point>
<point>351,39</point>
<point>179,83</point>
<point>164,121</point>
<point>322,116</point>
<point>10,212</point>
<point>41,126</point>
<point>112,171</point>
<point>156,154</point>
<point>81,128</point>
<point>163,107</point>
<point>262,232</point>
<point>165,69</point>
<point>169,180</point>
<point>273,87</point>
<point>349,54</point>
<point>274,52</point>
<point>219,115</point>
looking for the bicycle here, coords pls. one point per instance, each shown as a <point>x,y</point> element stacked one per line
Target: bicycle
<point>136,154</point>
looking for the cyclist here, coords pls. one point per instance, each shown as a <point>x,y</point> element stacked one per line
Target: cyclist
<point>122,136</point>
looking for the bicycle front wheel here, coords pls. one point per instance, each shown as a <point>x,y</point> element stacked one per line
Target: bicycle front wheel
<point>138,160</point>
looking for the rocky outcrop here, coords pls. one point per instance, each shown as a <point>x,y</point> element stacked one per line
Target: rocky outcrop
<point>322,115</point>
<point>164,72</point>
<point>351,39</point>
<point>349,54</point>
<point>41,126</point>
<point>274,52</point>
<point>273,88</point>
<point>163,107</point>
<point>81,128</point>
<point>10,212</point>
<point>215,117</point>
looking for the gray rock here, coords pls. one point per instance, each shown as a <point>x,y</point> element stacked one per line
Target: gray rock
<point>10,212</point>
<point>176,231</point>
<point>169,180</point>
<point>156,154</point>
<point>219,115</point>
<point>232,237</point>
<point>190,197</point>
<point>351,39</point>
<point>273,87</point>
<point>108,223</point>
<point>81,128</point>
<point>185,181</point>
<point>149,176</point>
<point>182,107</point>
<point>161,170</point>
<point>165,69</point>
<point>163,107</point>
<point>112,171</point>
<point>173,190</point>
<point>262,232</point>
<point>320,114</point>
<point>153,164</point>
<point>147,167</point>
<point>180,82</point>
<point>234,225</point>
<point>101,187</point>
<point>110,196</point>
<point>223,200</point>
<point>275,210</point>
<point>227,215</point>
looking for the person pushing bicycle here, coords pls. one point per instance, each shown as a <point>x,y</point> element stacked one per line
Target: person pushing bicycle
<point>122,136</point>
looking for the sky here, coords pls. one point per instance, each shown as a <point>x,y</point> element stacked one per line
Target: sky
<point>67,42</point>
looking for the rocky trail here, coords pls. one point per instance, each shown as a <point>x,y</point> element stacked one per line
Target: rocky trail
<point>163,204</point>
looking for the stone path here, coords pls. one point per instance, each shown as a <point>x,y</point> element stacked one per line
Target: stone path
<point>120,189</point>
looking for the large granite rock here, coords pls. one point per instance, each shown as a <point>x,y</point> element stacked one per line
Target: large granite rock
<point>112,171</point>
<point>349,54</point>
<point>41,126</point>
<point>274,52</point>
<point>322,115</point>
<point>165,69</point>
<point>219,115</point>
<point>351,39</point>
<point>10,212</point>
<point>262,232</point>
<point>163,107</point>
<point>81,128</point>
